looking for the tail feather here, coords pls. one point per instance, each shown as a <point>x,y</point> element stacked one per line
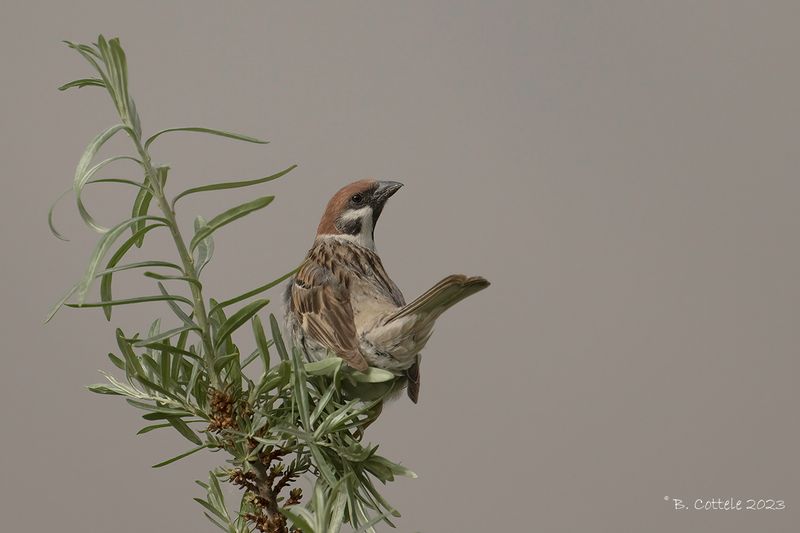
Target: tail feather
<point>413,381</point>
<point>442,296</point>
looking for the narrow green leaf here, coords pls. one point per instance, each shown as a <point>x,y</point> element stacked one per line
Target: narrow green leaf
<point>222,362</point>
<point>50,223</point>
<point>231,184</point>
<point>164,414</point>
<point>261,341</point>
<point>250,358</point>
<point>355,452</point>
<point>150,385</point>
<point>181,456</point>
<point>229,216</point>
<point>84,82</point>
<point>216,319</point>
<point>367,483</point>
<point>210,508</point>
<point>127,301</point>
<point>348,411</point>
<point>87,179</point>
<point>175,307</point>
<point>153,330</point>
<point>91,56</point>
<point>211,519</point>
<point>182,338</point>
<point>210,131</point>
<point>326,367</point>
<point>148,342</point>
<point>276,336</point>
<point>83,49</point>
<point>148,429</point>
<point>323,403</point>
<point>301,518</point>
<point>114,59</point>
<point>172,349</point>
<point>120,66</point>
<point>368,526</point>
<point>104,389</point>
<point>395,468</point>
<point>112,79</point>
<point>301,397</point>
<point>300,391</point>
<point>105,282</point>
<point>142,204</point>
<point>60,303</point>
<point>237,319</point>
<point>213,484</point>
<point>372,375</point>
<point>141,264</point>
<point>185,430</point>
<point>357,514</point>
<point>163,277</point>
<point>267,442</point>
<point>83,172</point>
<point>142,405</point>
<point>132,365</point>
<point>116,361</point>
<point>205,248</point>
<point>277,377</point>
<point>51,211</point>
<point>119,180</point>
<point>105,243</point>
<point>190,386</point>
<point>336,507</point>
<point>257,290</point>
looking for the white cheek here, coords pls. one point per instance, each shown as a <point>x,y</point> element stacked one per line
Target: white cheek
<point>364,212</point>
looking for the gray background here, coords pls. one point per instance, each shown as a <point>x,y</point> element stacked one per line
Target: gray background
<point>625,173</point>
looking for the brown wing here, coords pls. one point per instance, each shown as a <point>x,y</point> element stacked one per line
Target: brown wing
<point>321,301</point>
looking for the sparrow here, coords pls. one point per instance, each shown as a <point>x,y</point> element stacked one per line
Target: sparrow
<point>341,302</point>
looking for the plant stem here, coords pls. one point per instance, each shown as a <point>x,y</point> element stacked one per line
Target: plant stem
<point>265,488</point>
<point>209,353</point>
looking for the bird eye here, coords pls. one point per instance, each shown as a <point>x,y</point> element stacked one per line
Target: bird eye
<point>357,198</point>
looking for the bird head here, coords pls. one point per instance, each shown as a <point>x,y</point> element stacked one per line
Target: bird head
<point>354,210</point>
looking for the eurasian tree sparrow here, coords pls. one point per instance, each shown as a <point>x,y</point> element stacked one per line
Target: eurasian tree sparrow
<point>341,301</point>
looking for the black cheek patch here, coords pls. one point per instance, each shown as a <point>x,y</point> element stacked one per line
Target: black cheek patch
<point>350,227</point>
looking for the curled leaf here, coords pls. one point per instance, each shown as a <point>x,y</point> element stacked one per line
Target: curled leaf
<point>221,133</point>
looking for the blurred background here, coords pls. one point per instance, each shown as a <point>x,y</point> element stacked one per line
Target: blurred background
<point>625,173</point>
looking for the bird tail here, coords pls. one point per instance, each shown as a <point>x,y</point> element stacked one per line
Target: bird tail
<point>441,297</point>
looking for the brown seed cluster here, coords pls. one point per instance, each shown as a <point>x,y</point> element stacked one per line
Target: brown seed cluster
<point>246,480</point>
<point>222,410</point>
<point>269,524</point>
<point>226,410</point>
<point>295,495</point>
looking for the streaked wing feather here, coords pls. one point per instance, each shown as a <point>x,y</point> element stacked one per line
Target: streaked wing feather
<point>322,302</point>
